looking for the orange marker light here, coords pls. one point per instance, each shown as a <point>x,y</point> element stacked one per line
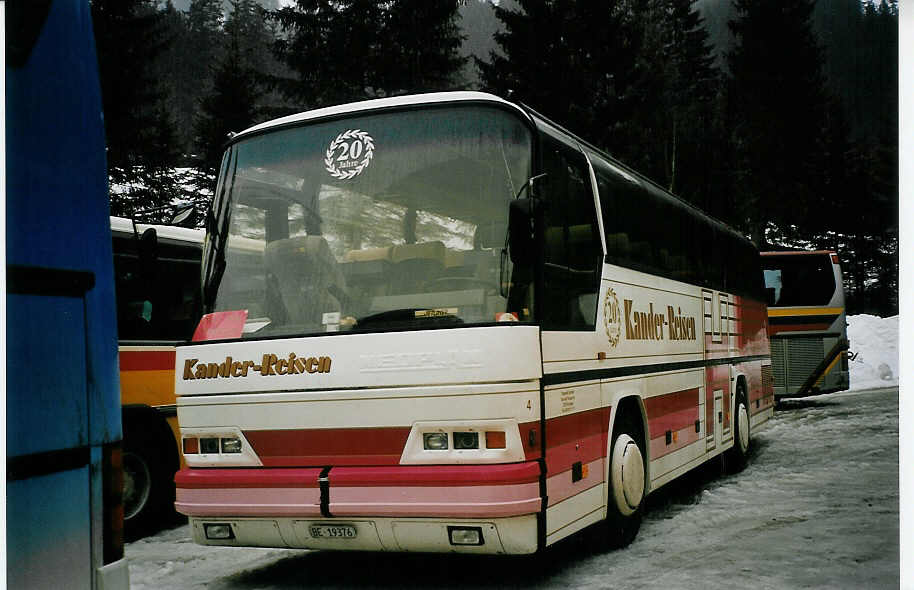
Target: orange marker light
<point>495,440</point>
<point>191,446</point>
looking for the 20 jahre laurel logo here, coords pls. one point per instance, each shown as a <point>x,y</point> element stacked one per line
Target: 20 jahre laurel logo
<point>349,154</point>
<point>612,318</point>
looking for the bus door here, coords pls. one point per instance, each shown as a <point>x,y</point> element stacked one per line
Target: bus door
<point>717,369</point>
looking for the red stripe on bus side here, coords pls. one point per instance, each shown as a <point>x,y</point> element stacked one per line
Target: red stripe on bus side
<point>671,402</point>
<point>560,458</point>
<point>673,411</point>
<point>673,421</point>
<point>564,429</point>
<point>147,360</point>
<point>684,437</point>
<point>579,437</point>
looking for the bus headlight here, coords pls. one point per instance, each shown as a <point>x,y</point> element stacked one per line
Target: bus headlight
<point>466,440</point>
<point>231,445</point>
<point>435,441</point>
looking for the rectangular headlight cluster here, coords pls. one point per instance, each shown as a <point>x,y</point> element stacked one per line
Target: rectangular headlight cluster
<point>439,442</point>
<point>462,440</point>
<point>228,445</point>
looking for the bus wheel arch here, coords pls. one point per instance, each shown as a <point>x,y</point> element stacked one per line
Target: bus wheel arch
<point>627,481</point>
<point>150,459</point>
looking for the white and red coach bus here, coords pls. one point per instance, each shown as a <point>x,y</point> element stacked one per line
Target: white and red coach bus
<point>443,323</point>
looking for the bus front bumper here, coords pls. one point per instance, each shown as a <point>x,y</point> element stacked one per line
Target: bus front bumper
<point>467,508</point>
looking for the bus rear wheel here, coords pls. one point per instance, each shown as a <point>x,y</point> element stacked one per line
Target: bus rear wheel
<point>736,458</point>
<point>626,484</point>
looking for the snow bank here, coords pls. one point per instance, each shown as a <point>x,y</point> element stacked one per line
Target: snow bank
<point>874,341</point>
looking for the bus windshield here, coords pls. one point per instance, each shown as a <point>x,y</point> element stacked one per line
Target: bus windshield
<point>798,279</point>
<point>392,220</point>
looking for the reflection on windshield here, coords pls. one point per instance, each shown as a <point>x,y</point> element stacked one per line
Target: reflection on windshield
<point>389,221</point>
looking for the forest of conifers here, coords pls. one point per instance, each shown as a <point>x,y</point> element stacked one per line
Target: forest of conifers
<point>780,118</point>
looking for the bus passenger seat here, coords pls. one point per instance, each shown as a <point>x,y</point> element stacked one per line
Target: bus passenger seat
<point>307,277</point>
<point>416,264</point>
<point>367,273</point>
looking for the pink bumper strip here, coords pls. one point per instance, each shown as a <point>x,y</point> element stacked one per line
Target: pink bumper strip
<point>486,491</point>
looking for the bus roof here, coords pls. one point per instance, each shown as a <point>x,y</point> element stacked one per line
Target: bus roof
<point>796,252</point>
<point>171,232</point>
<point>379,104</point>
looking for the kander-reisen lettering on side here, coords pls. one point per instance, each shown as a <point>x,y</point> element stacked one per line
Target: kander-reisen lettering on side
<point>269,365</point>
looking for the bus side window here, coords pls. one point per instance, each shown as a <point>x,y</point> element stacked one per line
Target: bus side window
<point>573,251</point>
<point>623,203</point>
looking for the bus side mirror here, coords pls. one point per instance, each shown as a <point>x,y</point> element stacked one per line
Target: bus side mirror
<point>520,231</point>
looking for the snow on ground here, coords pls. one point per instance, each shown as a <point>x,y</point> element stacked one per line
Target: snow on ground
<point>874,342</point>
<point>817,507</point>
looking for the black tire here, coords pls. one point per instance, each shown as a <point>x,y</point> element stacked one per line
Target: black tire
<point>626,482</point>
<point>148,482</point>
<point>736,457</point>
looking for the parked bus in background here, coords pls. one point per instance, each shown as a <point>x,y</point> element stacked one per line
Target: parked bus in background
<point>64,513</point>
<point>157,285</point>
<point>443,323</point>
<point>807,322</point>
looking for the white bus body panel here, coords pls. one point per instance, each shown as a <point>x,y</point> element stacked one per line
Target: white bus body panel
<point>459,356</point>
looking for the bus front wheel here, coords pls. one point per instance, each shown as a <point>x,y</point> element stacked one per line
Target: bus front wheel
<point>145,482</point>
<point>626,479</point>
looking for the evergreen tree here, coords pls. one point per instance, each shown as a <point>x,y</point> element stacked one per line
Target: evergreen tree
<point>574,61</point>
<point>424,40</point>
<point>231,106</point>
<point>635,77</point>
<point>778,100</point>
<point>671,133</point>
<point>140,135</point>
<point>478,25</point>
<point>346,50</point>
<point>171,68</point>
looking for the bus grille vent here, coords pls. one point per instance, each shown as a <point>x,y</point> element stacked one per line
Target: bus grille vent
<point>766,379</point>
<point>777,361</point>
<point>803,356</point>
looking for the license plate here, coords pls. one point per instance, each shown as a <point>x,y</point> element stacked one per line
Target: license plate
<point>335,531</point>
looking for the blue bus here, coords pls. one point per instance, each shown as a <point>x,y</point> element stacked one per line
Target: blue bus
<point>64,478</point>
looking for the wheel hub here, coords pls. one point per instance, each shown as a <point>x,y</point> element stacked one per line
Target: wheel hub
<point>137,485</point>
<point>743,417</point>
<point>627,472</point>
